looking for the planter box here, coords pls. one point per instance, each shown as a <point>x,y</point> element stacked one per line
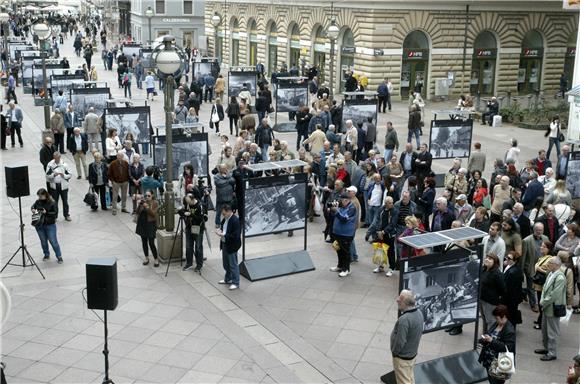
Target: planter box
<point>534,126</point>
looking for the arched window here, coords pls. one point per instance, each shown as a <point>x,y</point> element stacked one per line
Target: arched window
<point>531,57</point>
<point>235,52</point>
<point>294,56</point>
<point>272,48</point>
<point>253,42</point>
<point>347,51</point>
<point>319,58</point>
<point>483,64</point>
<point>569,61</point>
<point>415,64</point>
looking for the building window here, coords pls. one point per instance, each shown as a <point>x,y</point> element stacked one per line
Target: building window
<point>429,281</point>
<point>187,7</point>
<point>160,6</point>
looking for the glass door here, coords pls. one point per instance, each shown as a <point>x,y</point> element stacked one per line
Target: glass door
<point>320,61</point>
<point>253,53</point>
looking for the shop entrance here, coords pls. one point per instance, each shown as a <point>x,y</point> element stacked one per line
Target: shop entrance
<point>415,64</point>
<point>482,80</point>
<point>530,69</point>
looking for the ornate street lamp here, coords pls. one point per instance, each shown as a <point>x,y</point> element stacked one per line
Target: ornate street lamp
<point>332,34</point>
<point>170,62</point>
<point>215,21</point>
<point>4,18</point>
<point>149,13</point>
<point>43,32</point>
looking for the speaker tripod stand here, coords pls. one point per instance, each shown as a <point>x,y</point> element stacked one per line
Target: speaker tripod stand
<point>106,380</point>
<point>22,248</point>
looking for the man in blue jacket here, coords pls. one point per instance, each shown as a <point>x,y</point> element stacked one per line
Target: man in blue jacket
<point>534,190</point>
<point>209,82</point>
<point>230,241</point>
<point>343,229</point>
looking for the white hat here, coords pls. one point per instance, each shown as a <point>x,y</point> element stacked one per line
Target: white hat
<point>352,188</point>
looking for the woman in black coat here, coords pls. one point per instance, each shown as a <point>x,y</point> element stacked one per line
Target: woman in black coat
<point>217,109</point>
<point>302,120</point>
<point>233,112</point>
<point>501,335</point>
<point>492,289</point>
<point>147,225</point>
<point>425,201</point>
<point>513,279</point>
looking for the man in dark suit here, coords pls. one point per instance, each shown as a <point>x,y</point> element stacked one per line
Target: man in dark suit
<point>562,164</point>
<point>513,279</point>
<point>407,160</point>
<point>79,146</point>
<point>521,220</point>
<point>71,121</point>
<point>230,242</point>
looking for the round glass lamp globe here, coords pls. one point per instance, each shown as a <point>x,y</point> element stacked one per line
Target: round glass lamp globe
<point>216,20</point>
<point>42,31</point>
<point>333,31</point>
<point>168,62</point>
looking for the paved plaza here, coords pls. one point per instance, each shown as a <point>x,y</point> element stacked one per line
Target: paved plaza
<point>185,328</point>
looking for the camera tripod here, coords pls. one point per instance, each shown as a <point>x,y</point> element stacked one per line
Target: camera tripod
<point>23,248</point>
<point>178,230</point>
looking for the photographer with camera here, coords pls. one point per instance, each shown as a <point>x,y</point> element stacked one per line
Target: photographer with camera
<point>194,218</point>
<point>45,224</point>
<point>492,110</point>
<point>147,225</point>
<point>345,217</point>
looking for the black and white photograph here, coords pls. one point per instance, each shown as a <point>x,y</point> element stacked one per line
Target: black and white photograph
<point>14,48</point>
<point>51,69</point>
<point>359,111</point>
<point>65,83</point>
<point>450,138</point>
<point>573,174</point>
<point>446,292</point>
<point>201,70</point>
<point>146,58</point>
<point>187,149</point>
<point>289,98</point>
<point>239,80</point>
<point>271,209</point>
<point>134,120</point>
<point>84,98</point>
<point>130,49</point>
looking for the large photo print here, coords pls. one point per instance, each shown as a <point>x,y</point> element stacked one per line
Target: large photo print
<point>275,208</point>
<point>359,112</point>
<point>446,291</point>
<point>450,138</point>
<point>192,149</point>
<point>65,83</point>
<point>573,175</point>
<point>289,99</point>
<point>130,50</point>
<point>239,80</point>
<point>83,99</point>
<point>134,120</point>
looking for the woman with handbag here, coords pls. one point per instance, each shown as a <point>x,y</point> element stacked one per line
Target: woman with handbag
<point>492,288</point>
<point>539,278</point>
<point>45,213</point>
<point>147,225</point>
<point>500,338</point>
<point>553,135</point>
<point>216,115</point>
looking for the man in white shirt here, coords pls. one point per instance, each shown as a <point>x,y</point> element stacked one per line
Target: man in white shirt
<point>548,181</point>
<point>57,176</point>
<point>351,138</point>
<point>493,243</point>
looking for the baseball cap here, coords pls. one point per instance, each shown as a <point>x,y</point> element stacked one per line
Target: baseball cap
<point>461,197</point>
<point>352,188</point>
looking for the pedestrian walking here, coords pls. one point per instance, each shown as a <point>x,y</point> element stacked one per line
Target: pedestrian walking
<point>147,225</point>
<point>14,119</point>
<point>230,241</point>
<point>46,229</point>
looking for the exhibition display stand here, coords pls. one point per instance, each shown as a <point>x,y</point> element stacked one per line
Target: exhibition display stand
<point>290,93</point>
<point>275,204</point>
<point>446,284</point>
<point>449,139</point>
<point>358,107</point>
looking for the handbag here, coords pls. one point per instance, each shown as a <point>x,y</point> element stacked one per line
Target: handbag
<point>336,245</point>
<point>559,310</point>
<point>195,229</point>
<point>215,118</point>
<point>380,255</point>
<point>505,362</point>
<point>90,198</point>
<point>539,278</point>
<point>37,219</point>
<point>487,202</point>
<point>561,137</point>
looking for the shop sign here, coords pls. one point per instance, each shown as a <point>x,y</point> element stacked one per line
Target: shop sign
<point>571,52</point>
<point>348,50</point>
<point>415,54</point>
<point>485,53</point>
<point>175,20</point>
<point>571,4</point>
<point>532,52</point>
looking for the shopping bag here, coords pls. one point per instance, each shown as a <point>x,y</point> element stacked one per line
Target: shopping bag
<point>317,206</point>
<point>505,362</point>
<point>108,197</point>
<point>487,202</point>
<point>380,254</point>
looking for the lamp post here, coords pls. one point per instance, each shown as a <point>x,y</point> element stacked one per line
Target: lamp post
<point>43,32</point>
<point>215,21</point>
<point>332,34</point>
<point>4,18</point>
<point>149,13</point>
<point>170,63</point>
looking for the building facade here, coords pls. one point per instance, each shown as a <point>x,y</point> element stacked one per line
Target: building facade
<point>182,19</point>
<point>490,47</point>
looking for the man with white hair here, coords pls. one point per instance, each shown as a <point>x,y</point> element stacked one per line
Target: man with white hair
<point>530,254</point>
<point>562,164</point>
<point>79,146</point>
<point>332,136</point>
<point>442,218</point>
<point>548,181</point>
<point>405,337</point>
<point>351,138</point>
<point>91,128</point>
<point>553,297</point>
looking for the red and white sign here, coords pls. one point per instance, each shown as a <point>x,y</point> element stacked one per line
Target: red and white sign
<point>571,4</point>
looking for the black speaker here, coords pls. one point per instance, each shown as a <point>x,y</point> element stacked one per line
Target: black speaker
<point>102,290</point>
<point>17,180</point>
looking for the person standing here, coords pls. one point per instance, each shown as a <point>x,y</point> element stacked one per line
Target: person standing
<point>118,174</point>
<point>233,112</point>
<point>79,146</point>
<point>530,254</point>
<point>371,135</point>
<point>492,287</point>
<point>553,133</point>
<point>414,125</point>
<point>57,177</point>
<point>217,115</point>
<point>139,72</point>
<point>224,189</point>
<point>98,178</point>
<point>195,218</point>
<point>127,82</point>
<point>14,119</point>
<point>57,128</point>
<point>513,279</point>
<point>91,128</point>
<point>209,82</point>
<point>344,216</point>
<point>383,92</point>
<point>264,137</point>
<point>71,121</point>
<point>146,225</point>
<point>47,230</point>
<point>405,337</point>
<point>391,141</point>
<point>230,241</point>
<point>220,87</point>
<point>553,294</point>
<point>46,152</point>
<point>150,85</point>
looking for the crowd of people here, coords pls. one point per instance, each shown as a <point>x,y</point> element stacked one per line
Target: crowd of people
<point>357,188</point>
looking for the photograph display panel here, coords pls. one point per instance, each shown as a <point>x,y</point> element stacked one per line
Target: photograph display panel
<point>65,83</point>
<point>187,149</point>
<point>446,287</point>
<point>146,57</point>
<point>51,70</point>
<point>135,120</point>
<point>14,48</point>
<point>84,98</point>
<point>289,98</point>
<point>201,70</point>
<point>238,79</point>
<point>450,138</point>
<point>129,50</point>
<point>359,111</point>
<point>573,174</point>
<point>274,204</point>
